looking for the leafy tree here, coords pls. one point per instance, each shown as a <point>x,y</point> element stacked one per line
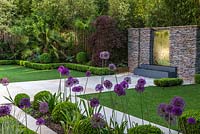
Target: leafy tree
<point>7,12</point>
<point>106,38</point>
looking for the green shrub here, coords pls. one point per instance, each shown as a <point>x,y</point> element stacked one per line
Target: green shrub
<point>190,128</point>
<point>7,62</point>
<point>85,127</point>
<point>197,78</point>
<point>145,129</point>
<point>45,58</point>
<point>63,107</point>
<point>81,57</point>
<point>168,82</point>
<point>100,71</point>
<point>77,67</point>
<point>20,96</point>
<point>39,97</point>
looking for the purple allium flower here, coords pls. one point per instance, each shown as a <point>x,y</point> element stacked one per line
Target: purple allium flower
<point>119,90</point>
<point>99,87</point>
<point>75,81</point>
<point>169,108</point>
<point>141,82</point>
<point>69,82</point>
<point>104,55</point>
<point>40,121</point>
<point>63,71</point>
<point>94,102</point>
<point>112,67</point>
<point>178,102</point>
<point>107,84</point>
<point>77,89</point>
<point>98,121</point>
<point>128,79</point>
<point>25,103</point>
<point>139,88</point>
<point>88,74</point>
<point>5,110</point>
<point>162,109</point>
<point>191,121</point>
<point>60,69</point>
<point>44,107</point>
<point>177,111</point>
<point>124,84</point>
<point>4,81</point>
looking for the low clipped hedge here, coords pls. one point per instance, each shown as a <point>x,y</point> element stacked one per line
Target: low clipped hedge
<point>197,78</point>
<point>7,62</point>
<point>145,129</point>
<point>168,82</point>
<point>39,97</point>
<point>73,66</point>
<point>20,96</point>
<point>190,128</point>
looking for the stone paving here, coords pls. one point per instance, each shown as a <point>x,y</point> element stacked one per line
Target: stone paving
<point>32,87</point>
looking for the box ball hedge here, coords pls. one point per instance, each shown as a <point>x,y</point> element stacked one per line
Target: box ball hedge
<point>168,82</point>
<point>187,128</point>
<point>39,97</point>
<point>20,96</point>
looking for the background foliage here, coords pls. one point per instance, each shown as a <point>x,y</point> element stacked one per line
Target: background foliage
<point>61,28</point>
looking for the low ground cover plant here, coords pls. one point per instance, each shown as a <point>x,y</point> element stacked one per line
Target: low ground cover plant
<point>168,82</point>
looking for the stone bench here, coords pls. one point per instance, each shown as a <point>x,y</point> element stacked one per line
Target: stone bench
<point>155,71</point>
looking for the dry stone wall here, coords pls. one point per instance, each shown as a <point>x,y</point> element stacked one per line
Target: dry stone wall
<point>184,48</point>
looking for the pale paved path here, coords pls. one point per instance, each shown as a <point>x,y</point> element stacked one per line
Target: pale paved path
<point>32,87</point>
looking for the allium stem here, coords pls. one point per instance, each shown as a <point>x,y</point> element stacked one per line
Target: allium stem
<point>141,104</point>
<point>86,85</point>
<point>116,78</point>
<point>129,118</point>
<point>169,124</point>
<point>70,94</point>
<point>9,95</point>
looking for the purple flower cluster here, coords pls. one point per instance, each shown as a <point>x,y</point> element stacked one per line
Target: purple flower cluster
<point>119,90</point>
<point>25,103</point>
<point>77,89</point>
<point>4,81</point>
<point>124,84</point>
<point>127,79</point>
<point>107,84</point>
<point>44,107</point>
<point>40,121</point>
<point>71,82</point>
<point>5,110</point>
<point>88,74</point>
<point>104,55</point>
<point>94,102</point>
<point>112,67</point>
<point>140,85</point>
<point>170,111</point>
<point>191,121</point>
<point>99,87</point>
<point>63,71</point>
<point>98,121</point>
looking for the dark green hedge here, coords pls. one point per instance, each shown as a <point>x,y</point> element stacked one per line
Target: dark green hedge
<point>197,78</point>
<point>190,128</point>
<point>168,82</point>
<point>73,66</point>
<point>7,62</point>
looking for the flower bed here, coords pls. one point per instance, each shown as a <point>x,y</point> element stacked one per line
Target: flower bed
<point>64,113</point>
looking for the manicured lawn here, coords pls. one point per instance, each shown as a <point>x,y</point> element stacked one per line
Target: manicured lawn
<point>18,73</point>
<point>153,96</point>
